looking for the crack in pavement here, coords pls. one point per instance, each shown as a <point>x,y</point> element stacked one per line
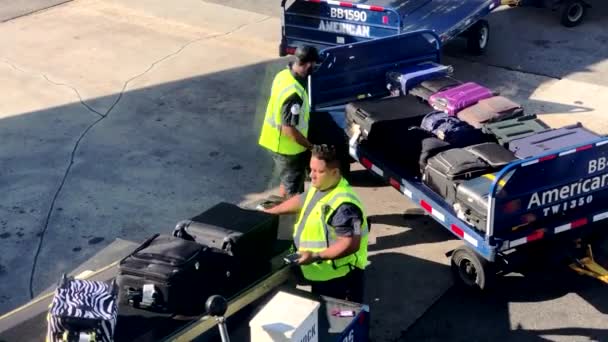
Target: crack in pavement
<point>505,67</point>
<point>42,233</point>
<point>14,66</point>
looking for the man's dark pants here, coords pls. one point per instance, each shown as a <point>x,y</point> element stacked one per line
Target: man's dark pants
<point>350,287</point>
<point>292,171</point>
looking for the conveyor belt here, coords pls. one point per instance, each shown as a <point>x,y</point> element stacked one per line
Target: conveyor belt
<point>28,322</point>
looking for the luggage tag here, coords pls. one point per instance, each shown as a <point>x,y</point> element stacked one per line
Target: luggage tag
<point>85,337</point>
<point>147,298</point>
<point>343,313</point>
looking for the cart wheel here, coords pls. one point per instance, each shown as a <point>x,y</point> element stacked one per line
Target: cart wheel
<point>478,38</point>
<point>470,270</point>
<point>572,12</point>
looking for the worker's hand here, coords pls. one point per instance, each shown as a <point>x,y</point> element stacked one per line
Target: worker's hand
<point>305,258</point>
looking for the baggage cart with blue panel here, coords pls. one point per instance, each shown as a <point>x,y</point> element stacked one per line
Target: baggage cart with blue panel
<point>326,23</point>
<point>556,193</point>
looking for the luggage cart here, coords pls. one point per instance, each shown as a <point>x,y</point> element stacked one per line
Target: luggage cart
<point>547,197</point>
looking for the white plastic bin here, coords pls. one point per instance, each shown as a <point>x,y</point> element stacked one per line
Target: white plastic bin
<point>286,317</point>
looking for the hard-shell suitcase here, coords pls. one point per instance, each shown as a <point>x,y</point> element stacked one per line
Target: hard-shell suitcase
<point>554,139</point>
<point>492,153</point>
<point>443,172</point>
<point>382,119</point>
<point>493,109</point>
<point>427,88</point>
<point>83,310</point>
<point>506,130</point>
<point>245,234</point>
<point>459,97</point>
<point>472,200</point>
<point>169,274</point>
<point>406,78</point>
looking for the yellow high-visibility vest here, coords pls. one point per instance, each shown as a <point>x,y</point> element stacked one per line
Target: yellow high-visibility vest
<point>283,86</point>
<point>312,232</point>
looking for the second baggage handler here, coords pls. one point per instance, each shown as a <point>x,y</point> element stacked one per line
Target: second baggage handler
<point>285,128</point>
<point>331,233</point>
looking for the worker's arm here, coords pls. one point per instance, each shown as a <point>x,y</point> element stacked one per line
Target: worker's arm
<point>292,205</point>
<point>290,113</point>
<point>344,246</point>
<point>347,222</point>
<point>294,134</point>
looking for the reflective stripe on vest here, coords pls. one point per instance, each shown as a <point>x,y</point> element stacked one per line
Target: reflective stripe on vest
<point>283,86</point>
<point>314,233</point>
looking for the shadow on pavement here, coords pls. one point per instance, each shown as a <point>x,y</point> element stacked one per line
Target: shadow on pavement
<point>399,289</point>
<point>532,40</point>
<point>559,297</point>
<point>422,229</point>
<point>73,180</point>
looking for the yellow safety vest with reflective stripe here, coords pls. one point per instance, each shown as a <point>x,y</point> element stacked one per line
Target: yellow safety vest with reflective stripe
<point>283,86</point>
<point>314,233</point>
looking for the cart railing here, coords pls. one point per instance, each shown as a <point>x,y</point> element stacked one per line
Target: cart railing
<point>549,194</point>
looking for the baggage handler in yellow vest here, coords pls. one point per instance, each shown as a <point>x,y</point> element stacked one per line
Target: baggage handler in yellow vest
<point>331,232</point>
<point>285,128</point>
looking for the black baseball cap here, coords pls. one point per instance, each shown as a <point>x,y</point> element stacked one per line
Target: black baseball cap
<point>307,53</point>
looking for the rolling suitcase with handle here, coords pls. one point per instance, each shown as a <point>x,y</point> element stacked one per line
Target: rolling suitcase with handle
<point>169,274</point>
<point>425,89</point>
<point>246,238</point>
<point>386,118</point>
<point>405,79</point>
<point>83,310</point>
<point>445,170</point>
<point>459,97</point>
<point>493,109</point>
<point>245,234</point>
<point>471,203</point>
<point>549,140</point>
<point>492,153</point>
<point>507,130</point>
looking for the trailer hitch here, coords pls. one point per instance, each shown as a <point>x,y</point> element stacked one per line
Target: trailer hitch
<point>587,266</point>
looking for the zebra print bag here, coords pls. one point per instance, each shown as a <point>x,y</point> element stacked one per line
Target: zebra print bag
<point>83,309</point>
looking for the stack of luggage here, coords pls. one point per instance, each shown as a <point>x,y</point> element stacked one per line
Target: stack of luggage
<point>219,252</point>
<point>216,252</point>
<point>462,137</point>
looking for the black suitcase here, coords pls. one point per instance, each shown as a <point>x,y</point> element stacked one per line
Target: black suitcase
<point>431,147</point>
<point>169,274</point>
<point>383,120</point>
<point>446,169</point>
<point>493,154</point>
<point>472,200</point>
<point>245,234</point>
<point>427,88</point>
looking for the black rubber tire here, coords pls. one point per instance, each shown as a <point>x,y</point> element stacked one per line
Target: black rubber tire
<point>478,38</point>
<point>470,270</point>
<point>572,12</point>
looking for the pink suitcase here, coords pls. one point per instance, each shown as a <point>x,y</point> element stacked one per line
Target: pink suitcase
<point>457,98</point>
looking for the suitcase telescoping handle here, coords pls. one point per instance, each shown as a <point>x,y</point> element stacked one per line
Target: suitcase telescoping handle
<point>142,246</point>
<point>180,230</point>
